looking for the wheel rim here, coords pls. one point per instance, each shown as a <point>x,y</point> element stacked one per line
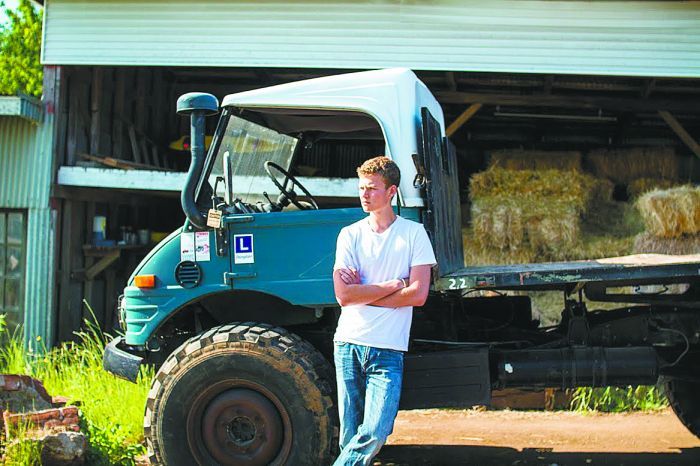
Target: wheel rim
<point>239,424</point>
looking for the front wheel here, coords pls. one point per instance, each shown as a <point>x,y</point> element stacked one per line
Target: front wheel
<point>242,394</point>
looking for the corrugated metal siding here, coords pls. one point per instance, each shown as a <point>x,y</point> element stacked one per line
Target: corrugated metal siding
<point>25,181</point>
<point>38,311</point>
<point>607,38</point>
<point>25,164</point>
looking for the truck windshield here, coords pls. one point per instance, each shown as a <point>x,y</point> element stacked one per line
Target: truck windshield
<point>249,146</point>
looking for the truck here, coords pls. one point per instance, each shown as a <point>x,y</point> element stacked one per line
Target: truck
<point>236,309</point>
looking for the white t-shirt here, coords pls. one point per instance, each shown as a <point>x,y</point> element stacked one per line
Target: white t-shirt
<point>380,257</point>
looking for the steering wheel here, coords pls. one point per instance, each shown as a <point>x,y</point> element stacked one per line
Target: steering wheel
<point>289,192</point>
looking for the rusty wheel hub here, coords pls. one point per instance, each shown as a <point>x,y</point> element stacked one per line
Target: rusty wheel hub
<point>242,427</point>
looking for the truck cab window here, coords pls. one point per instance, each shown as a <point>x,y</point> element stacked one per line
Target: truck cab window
<point>249,146</point>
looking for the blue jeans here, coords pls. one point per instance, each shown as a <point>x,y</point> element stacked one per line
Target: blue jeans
<point>369,387</point>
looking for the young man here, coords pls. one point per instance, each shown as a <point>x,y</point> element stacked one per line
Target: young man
<point>382,269</point>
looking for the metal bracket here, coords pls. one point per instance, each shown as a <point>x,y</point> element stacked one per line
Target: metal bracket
<point>221,241</point>
<point>577,328</point>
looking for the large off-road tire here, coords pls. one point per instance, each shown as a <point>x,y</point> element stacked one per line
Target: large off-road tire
<point>242,394</point>
<point>685,401</point>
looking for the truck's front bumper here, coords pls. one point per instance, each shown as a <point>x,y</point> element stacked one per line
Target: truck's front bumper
<point>120,362</point>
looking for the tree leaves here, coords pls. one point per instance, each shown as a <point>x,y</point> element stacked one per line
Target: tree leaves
<point>20,49</point>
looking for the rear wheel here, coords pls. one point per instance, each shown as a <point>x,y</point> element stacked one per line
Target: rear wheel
<point>242,394</point>
<point>685,401</point>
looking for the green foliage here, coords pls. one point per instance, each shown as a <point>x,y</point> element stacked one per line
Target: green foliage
<point>112,409</point>
<point>22,451</point>
<point>615,400</point>
<point>20,49</point>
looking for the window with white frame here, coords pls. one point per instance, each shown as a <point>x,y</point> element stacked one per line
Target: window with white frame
<point>13,247</point>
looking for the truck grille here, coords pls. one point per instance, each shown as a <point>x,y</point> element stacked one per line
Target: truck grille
<point>188,274</point>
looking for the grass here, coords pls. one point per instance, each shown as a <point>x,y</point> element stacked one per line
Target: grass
<point>617,400</point>
<point>111,408</point>
<point>23,450</point>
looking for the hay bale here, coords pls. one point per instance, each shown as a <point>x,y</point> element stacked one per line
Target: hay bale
<point>671,213</point>
<point>538,225</point>
<point>626,165</point>
<point>645,243</point>
<point>570,186</point>
<point>497,223</point>
<point>518,159</point>
<point>637,187</point>
<point>553,230</point>
<point>477,254</point>
<point>600,191</point>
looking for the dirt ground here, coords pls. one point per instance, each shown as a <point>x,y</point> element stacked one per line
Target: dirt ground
<point>452,437</point>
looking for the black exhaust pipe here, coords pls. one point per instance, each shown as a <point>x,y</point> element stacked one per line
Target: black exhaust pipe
<point>198,105</point>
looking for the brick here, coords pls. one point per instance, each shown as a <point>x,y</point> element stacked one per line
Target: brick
<point>52,423</point>
<point>70,420</point>
<point>69,411</point>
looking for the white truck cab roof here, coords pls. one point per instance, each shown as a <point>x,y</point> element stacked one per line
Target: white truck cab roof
<point>393,97</point>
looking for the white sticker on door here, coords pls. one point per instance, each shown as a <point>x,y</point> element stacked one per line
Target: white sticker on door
<point>187,247</point>
<point>201,246</point>
<point>243,249</point>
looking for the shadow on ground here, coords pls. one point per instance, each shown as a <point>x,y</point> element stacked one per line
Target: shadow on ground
<point>401,455</point>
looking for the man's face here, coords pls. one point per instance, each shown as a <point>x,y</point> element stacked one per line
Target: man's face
<point>374,195</point>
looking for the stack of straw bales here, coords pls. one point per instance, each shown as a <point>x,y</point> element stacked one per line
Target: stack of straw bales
<point>518,159</point>
<point>672,221</point>
<point>641,169</point>
<point>528,213</point>
<point>623,166</point>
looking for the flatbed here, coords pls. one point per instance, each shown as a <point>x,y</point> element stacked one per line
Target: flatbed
<point>637,269</point>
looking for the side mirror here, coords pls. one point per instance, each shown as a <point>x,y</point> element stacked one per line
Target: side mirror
<point>198,105</point>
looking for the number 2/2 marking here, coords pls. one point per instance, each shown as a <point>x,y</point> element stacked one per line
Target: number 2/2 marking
<point>453,283</point>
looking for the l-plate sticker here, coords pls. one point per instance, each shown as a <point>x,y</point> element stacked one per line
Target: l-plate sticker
<point>243,252</point>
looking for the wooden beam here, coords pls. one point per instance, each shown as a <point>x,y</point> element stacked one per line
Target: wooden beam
<point>636,104</point>
<point>451,81</point>
<point>95,110</point>
<point>648,87</point>
<point>102,264</point>
<point>463,118</point>
<point>119,163</point>
<point>548,83</point>
<point>680,131</point>
<point>117,123</point>
<point>135,151</point>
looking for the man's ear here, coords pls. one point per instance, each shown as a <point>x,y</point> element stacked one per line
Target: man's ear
<point>393,190</point>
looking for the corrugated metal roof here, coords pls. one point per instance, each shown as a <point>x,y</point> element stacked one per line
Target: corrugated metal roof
<point>607,38</point>
<point>22,106</point>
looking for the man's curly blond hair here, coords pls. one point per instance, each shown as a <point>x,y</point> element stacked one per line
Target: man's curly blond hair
<point>383,166</point>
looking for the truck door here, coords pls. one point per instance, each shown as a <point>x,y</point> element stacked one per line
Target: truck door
<point>437,177</point>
